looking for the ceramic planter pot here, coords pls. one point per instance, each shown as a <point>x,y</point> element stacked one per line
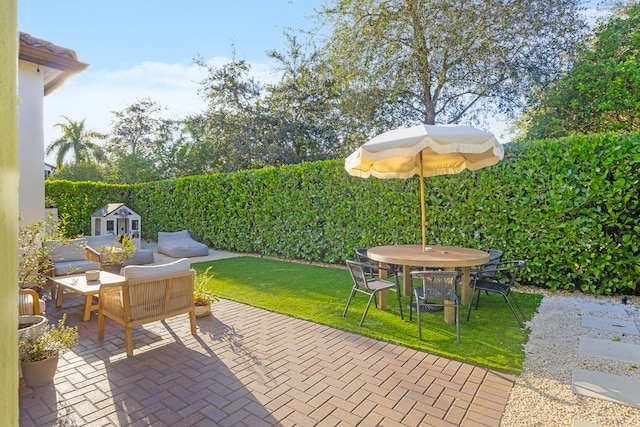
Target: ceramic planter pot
<point>203,310</point>
<point>30,324</point>
<point>39,373</point>
<point>113,268</point>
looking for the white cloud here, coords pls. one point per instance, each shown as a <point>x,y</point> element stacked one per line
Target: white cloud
<point>93,95</point>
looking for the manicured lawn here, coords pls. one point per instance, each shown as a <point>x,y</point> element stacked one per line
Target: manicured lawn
<point>491,338</point>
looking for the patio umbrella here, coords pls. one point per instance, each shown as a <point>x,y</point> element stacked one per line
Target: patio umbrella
<point>425,150</point>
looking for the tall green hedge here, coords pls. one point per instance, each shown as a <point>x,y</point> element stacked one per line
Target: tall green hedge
<point>568,206</point>
<point>76,201</point>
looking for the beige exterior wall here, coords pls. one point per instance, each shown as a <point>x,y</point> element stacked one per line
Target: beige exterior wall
<point>31,137</point>
<point>9,174</point>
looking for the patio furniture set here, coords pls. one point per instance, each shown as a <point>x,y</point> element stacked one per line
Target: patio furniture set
<point>442,272</point>
<point>430,150</point>
<point>139,295</point>
<point>143,294</point>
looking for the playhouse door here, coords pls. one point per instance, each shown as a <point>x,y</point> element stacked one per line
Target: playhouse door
<point>123,226</point>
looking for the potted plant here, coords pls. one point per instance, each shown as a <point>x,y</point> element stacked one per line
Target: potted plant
<point>203,297</point>
<point>30,324</point>
<point>34,263</point>
<point>122,249</point>
<point>34,260</point>
<point>39,352</point>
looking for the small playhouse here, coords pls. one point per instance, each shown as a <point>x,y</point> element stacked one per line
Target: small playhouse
<point>116,219</point>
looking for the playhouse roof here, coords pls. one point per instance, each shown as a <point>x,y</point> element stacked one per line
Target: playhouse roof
<point>111,208</point>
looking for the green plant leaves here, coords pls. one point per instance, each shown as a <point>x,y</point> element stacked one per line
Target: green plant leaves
<point>569,206</point>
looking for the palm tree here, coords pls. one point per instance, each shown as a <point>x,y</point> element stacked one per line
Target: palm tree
<point>75,137</point>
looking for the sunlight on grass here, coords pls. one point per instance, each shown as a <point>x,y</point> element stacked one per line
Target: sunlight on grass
<point>491,338</point>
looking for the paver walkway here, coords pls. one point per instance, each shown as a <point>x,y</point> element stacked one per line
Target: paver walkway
<point>252,367</point>
<point>603,385</point>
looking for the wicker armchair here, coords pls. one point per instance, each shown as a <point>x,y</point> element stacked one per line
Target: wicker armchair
<point>29,302</point>
<point>150,293</point>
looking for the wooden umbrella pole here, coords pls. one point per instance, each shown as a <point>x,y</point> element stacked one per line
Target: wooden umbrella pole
<point>422,213</point>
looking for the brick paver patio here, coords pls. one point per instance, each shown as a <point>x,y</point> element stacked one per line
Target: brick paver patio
<point>252,367</point>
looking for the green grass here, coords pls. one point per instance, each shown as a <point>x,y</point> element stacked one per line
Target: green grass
<point>491,338</point>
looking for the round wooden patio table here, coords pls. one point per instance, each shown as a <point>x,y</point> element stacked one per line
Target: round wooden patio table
<point>447,257</point>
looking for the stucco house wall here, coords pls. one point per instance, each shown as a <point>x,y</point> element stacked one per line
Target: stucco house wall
<point>42,68</point>
<point>31,137</point>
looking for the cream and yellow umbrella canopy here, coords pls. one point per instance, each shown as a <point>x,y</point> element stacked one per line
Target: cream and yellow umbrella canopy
<point>425,150</point>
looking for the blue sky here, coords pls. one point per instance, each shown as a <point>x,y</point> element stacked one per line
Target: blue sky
<point>116,34</point>
<point>138,49</point>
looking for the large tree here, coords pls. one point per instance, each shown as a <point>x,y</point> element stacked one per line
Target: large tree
<point>230,129</point>
<point>302,107</point>
<point>138,128</point>
<point>78,139</point>
<point>142,143</point>
<point>447,61</point>
<point>249,123</point>
<point>601,92</point>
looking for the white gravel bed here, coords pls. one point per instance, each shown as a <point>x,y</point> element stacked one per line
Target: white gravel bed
<point>542,394</point>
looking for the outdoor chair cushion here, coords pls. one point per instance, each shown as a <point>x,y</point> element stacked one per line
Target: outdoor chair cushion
<point>62,268</point>
<point>142,256</point>
<point>148,271</point>
<point>73,250</point>
<point>70,257</point>
<point>180,244</point>
<point>96,241</point>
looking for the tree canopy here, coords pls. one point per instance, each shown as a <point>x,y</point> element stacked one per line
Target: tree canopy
<point>449,61</point>
<point>375,65</point>
<point>141,143</point>
<point>78,139</point>
<point>601,92</point>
